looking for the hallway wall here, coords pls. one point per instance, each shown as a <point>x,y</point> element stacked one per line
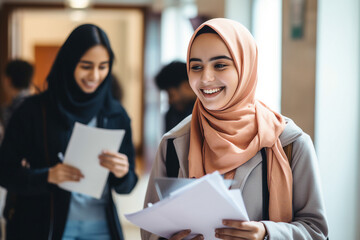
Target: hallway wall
<point>299,67</point>
<point>337,113</point>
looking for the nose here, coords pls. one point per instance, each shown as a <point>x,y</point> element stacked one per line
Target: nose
<point>208,75</point>
<point>95,74</point>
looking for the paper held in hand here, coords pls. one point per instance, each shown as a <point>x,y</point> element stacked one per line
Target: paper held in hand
<point>85,145</point>
<point>200,206</point>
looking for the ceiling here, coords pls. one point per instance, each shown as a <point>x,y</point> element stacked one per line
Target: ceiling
<point>156,5</point>
<point>127,2</point>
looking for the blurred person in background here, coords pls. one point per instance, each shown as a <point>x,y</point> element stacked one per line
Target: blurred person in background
<point>17,81</point>
<point>18,78</point>
<point>173,78</point>
<point>39,131</point>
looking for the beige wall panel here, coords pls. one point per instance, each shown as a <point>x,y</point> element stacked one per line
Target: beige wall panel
<point>211,8</point>
<point>298,68</point>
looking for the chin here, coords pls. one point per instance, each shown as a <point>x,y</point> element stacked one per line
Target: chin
<point>88,91</point>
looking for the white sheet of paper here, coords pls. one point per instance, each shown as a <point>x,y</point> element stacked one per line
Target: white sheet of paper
<point>85,145</point>
<point>200,206</point>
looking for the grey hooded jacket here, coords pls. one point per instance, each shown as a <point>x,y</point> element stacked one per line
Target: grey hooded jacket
<point>309,220</point>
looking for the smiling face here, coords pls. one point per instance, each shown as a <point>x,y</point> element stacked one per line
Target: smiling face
<point>213,75</point>
<point>92,69</point>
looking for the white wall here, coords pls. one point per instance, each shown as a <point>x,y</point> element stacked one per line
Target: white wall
<point>239,10</point>
<point>267,31</point>
<point>263,19</point>
<point>337,112</point>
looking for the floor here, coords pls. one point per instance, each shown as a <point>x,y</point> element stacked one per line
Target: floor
<point>130,203</point>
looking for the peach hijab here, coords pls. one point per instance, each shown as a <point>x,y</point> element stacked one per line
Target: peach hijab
<point>226,138</point>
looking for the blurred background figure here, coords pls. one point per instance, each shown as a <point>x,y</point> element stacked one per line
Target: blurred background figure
<point>174,80</point>
<point>17,82</point>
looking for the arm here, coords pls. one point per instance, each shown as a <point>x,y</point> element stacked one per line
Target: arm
<point>125,183</point>
<point>309,221</point>
<point>16,147</point>
<point>159,170</point>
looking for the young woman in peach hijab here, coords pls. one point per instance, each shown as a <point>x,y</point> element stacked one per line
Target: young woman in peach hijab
<point>233,133</point>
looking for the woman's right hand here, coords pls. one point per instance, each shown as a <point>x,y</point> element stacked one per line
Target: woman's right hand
<point>181,235</point>
<point>62,173</point>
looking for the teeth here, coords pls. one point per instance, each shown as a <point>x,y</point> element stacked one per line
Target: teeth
<point>210,91</point>
<point>90,84</point>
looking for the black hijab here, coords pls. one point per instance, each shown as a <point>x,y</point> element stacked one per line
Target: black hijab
<point>66,97</point>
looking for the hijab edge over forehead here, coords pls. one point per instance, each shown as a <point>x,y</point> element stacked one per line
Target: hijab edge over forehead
<point>216,31</point>
<point>243,50</point>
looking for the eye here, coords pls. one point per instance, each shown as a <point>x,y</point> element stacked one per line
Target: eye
<point>220,66</point>
<point>85,67</point>
<point>196,68</point>
<point>102,67</point>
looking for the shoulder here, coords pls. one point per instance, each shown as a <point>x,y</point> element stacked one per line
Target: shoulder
<point>183,128</point>
<point>291,132</point>
<point>35,100</point>
<point>180,133</point>
<point>294,134</point>
<point>114,110</point>
<point>31,104</point>
<point>28,115</point>
<point>303,147</point>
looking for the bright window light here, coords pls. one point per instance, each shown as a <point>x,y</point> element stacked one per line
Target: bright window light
<point>267,32</point>
<point>79,3</point>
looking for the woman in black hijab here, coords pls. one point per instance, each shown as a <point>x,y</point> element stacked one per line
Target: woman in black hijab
<point>38,133</point>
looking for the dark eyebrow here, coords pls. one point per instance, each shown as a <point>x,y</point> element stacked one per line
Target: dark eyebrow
<point>194,59</point>
<point>211,59</point>
<point>89,62</point>
<point>220,57</point>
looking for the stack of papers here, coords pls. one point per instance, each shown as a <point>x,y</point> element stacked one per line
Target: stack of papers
<point>200,206</point>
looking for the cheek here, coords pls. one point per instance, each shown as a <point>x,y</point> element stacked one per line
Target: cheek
<point>80,73</point>
<point>192,82</point>
<point>103,75</point>
<point>77,76</point>
<point>233,80</point>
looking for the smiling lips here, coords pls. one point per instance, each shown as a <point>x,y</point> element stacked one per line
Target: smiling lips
<point>211,91</point>
<point>89,84</point>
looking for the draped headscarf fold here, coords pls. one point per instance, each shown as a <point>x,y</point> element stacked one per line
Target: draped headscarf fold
<point>226,138</point>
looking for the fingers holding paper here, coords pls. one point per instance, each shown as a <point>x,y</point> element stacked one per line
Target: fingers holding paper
<point>117,163</point>
<point>181,235</point>
<point>241,230</point>
<point>62,172</point>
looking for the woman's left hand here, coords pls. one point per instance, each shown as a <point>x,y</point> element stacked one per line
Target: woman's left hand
<point>241,230</point>
<point>116,162</point>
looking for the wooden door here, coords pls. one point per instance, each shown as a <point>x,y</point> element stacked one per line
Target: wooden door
<point>44,58</point>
